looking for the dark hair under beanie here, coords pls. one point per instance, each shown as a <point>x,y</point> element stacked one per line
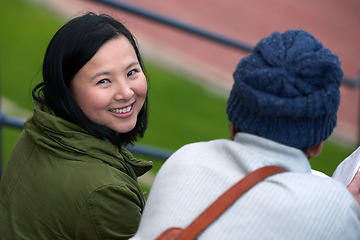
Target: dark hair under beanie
<point>287,90</point>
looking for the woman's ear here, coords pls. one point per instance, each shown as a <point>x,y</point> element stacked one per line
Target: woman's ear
<point>315,150</point>
<point>232,131</point>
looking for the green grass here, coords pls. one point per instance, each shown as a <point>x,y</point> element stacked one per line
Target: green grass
<point>330,157</point>
<point>25,32</point>
<point>181,111</point>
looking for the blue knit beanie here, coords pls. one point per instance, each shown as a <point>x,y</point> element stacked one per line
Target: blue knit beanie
<point>287,90</point>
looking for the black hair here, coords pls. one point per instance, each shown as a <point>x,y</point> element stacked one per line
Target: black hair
<point>72,46</point>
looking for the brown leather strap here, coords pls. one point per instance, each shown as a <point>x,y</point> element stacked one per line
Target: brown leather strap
<point>226,200</point>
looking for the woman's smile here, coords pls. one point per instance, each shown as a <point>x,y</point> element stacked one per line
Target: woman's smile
<point>123,112</point>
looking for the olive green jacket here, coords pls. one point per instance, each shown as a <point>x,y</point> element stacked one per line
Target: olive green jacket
<point>62,183</point>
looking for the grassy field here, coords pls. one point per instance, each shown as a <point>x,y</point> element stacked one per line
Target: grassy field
<point>181,111</point>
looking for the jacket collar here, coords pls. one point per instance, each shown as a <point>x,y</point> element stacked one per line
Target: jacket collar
<point>71,142</point>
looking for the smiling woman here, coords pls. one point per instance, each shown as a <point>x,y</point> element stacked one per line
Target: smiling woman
<point>111,88</point>
<point>74,179</point>
<point>73,48</point>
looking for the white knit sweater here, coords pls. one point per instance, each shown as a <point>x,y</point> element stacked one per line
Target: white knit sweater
<point>295,205</point>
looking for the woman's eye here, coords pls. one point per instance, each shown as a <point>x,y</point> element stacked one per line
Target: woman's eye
<point>132,72</point>
<point>103,81</point>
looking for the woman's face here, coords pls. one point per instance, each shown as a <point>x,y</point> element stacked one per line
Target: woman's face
<point>111,88</point>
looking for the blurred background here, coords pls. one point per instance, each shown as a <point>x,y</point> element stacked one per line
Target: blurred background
<point>190,77</point>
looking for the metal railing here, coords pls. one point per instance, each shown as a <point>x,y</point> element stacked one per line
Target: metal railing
<point>149,151</point>
<point>155,17</point>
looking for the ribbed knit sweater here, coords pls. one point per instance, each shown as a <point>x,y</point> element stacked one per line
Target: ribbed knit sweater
<point>294,205</point>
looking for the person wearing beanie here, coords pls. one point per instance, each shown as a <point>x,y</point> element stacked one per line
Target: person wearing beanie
<point>282,107</point>
<point>287,90</point>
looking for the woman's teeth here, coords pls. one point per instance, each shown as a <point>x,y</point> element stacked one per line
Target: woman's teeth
<point>121,110</point>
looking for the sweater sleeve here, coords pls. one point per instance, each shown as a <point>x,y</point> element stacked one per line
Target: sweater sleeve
<point>111,212</point>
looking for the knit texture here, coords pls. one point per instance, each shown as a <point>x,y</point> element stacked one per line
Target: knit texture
<point>287,90</point>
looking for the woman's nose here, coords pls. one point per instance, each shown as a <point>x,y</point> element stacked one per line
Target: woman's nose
<point>124,93</point>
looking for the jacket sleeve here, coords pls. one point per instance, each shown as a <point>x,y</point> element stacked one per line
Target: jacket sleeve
<point>110,212</point>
